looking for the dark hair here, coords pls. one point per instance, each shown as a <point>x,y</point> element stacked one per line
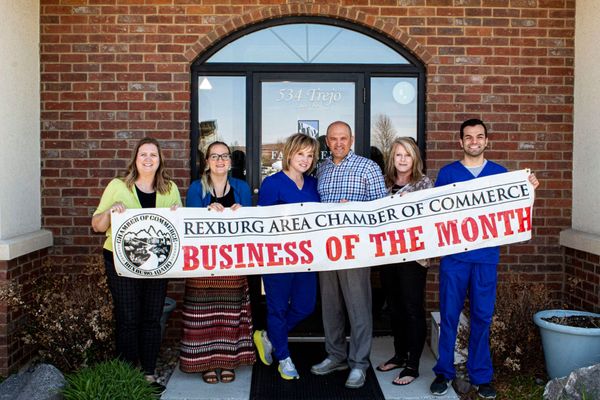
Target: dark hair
<point>162,181</point>
<point>472,122</point>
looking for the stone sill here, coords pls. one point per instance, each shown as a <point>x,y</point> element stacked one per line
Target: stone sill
<point>579,240</point>
<point>24,244</point>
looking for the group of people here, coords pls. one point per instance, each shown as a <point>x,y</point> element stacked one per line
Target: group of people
<point>217,323</point>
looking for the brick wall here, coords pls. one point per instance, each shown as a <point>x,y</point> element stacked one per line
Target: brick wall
<point>20,271</point>
<point>114,71</point>
<point>582,280</point>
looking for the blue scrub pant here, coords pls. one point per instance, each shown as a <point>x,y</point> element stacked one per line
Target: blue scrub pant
<point>479,280</point>
<point>291,297</point>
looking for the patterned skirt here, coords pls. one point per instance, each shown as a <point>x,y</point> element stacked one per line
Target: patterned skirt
<point>217,324</point>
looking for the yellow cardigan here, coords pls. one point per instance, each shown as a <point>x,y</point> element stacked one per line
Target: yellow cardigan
<point>117,190</point>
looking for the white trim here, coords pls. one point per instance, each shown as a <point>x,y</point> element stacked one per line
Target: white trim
<point>25,244</point>
<point>578,240</point>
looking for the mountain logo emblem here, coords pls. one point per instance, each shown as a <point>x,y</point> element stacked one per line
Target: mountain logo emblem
<point>147,245</point>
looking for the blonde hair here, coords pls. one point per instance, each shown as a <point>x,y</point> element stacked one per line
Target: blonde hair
<point>207,185</point>
<point>296,143</point>
<point>162,180</point>
<point>411,148</point>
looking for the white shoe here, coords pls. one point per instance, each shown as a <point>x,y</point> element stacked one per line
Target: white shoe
<point>287,369</point>
<point>328,366</point>
<point>264,347</point>
<point>356,379</point>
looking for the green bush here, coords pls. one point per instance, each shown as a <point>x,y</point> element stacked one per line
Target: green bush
<point>110,380</point>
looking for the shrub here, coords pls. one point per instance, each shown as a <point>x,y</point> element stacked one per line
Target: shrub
<point>514,339</point>
<point>109,380</point>
<point>68,316</point>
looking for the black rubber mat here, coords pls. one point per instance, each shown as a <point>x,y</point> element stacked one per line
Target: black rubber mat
<point>268,384</point>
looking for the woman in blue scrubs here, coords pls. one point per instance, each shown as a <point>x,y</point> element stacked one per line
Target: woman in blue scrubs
<point>291,297</point>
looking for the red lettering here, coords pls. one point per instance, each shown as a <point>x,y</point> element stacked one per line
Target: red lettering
<point>305,246</point>
<point>378,239</point>
<point>273,259</point>
<point>447,233</point>
<point>415,244</point>
<point>349,241</point>
<point>239,254</point>
<point>255,255</point>
<point>397,239</point>
<point>506,216</point>
<point>524,218</point>
<point>190,258</point>
<point>488,226</point>
<point>469,229</point>
<point>224,253</point>
<point>333,245</point>
<point>206,262</point>
<point>289,248</point>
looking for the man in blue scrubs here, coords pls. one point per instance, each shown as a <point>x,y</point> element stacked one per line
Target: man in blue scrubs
<point>472,272</point>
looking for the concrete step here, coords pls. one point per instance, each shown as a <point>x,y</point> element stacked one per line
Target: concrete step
<point>184,386</point>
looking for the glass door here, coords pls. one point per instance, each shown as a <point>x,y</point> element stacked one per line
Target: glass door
<point>306,103</point>
<point>289,104</point>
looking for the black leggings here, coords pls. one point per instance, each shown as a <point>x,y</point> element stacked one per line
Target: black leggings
<point>404,286</point>
<point>138,305</point>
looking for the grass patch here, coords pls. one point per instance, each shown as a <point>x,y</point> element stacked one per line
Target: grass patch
<point>109,380</point>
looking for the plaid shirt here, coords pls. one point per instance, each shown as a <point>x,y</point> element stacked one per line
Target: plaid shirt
<point>354,179</point>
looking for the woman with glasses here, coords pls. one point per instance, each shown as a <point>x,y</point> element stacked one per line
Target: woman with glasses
<point>217,324</point>
<point>404,283</point>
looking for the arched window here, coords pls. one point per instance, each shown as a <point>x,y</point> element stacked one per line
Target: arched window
<point>298,74</point>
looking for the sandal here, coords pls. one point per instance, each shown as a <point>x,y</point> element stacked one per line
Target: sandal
<point>391,364</point>
<point>210,377</point>
<point>406,373</point>
<point>227,375</point>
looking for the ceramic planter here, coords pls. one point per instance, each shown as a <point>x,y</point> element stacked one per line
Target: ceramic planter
<point>567,348</point>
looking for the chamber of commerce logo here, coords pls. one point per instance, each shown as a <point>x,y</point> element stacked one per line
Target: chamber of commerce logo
<point>147,245</point>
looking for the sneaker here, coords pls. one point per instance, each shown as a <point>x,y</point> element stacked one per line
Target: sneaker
<point>486,391</point>
<point>287,369</point>
<point>264,347</point>
<point>328,366</point>
<point>439,386</point>
<point>356,379</point>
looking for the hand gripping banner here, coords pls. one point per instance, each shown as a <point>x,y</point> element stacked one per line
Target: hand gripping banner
<point>195,242</point>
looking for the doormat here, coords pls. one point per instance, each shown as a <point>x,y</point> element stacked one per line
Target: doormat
<point>267,383</point>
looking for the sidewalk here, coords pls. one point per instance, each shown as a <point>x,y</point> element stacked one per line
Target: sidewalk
<point>191,387</point>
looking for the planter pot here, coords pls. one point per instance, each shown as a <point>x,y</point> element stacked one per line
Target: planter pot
<point>168,308</point>
<point>567,348</point>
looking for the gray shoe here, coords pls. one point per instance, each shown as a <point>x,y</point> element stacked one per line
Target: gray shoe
<point>328,366</point>
<point>356,379</point>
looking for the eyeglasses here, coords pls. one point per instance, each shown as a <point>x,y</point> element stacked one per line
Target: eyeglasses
<point>224,157</point>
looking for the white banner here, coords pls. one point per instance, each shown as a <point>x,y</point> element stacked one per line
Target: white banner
<point>193,242</point>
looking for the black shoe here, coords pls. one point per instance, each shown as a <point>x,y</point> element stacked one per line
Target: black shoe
<point>486,391</point>
<point>158,388</point>
<point>439,386</point>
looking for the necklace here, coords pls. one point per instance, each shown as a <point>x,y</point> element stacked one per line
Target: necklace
<point>224,190</point>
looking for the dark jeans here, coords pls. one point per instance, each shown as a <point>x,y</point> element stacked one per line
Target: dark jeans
<point>138,305</point>
<point>404,286</point>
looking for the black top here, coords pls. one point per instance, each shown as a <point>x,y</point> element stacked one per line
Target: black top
<point>226,201</point>
<point>147,200</point>
<point>396,188</point>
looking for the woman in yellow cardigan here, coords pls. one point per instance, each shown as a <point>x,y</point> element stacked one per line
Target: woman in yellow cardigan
<point>138,303</point>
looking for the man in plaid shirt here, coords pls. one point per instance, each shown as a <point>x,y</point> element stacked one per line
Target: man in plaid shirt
<point>345,176</point>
